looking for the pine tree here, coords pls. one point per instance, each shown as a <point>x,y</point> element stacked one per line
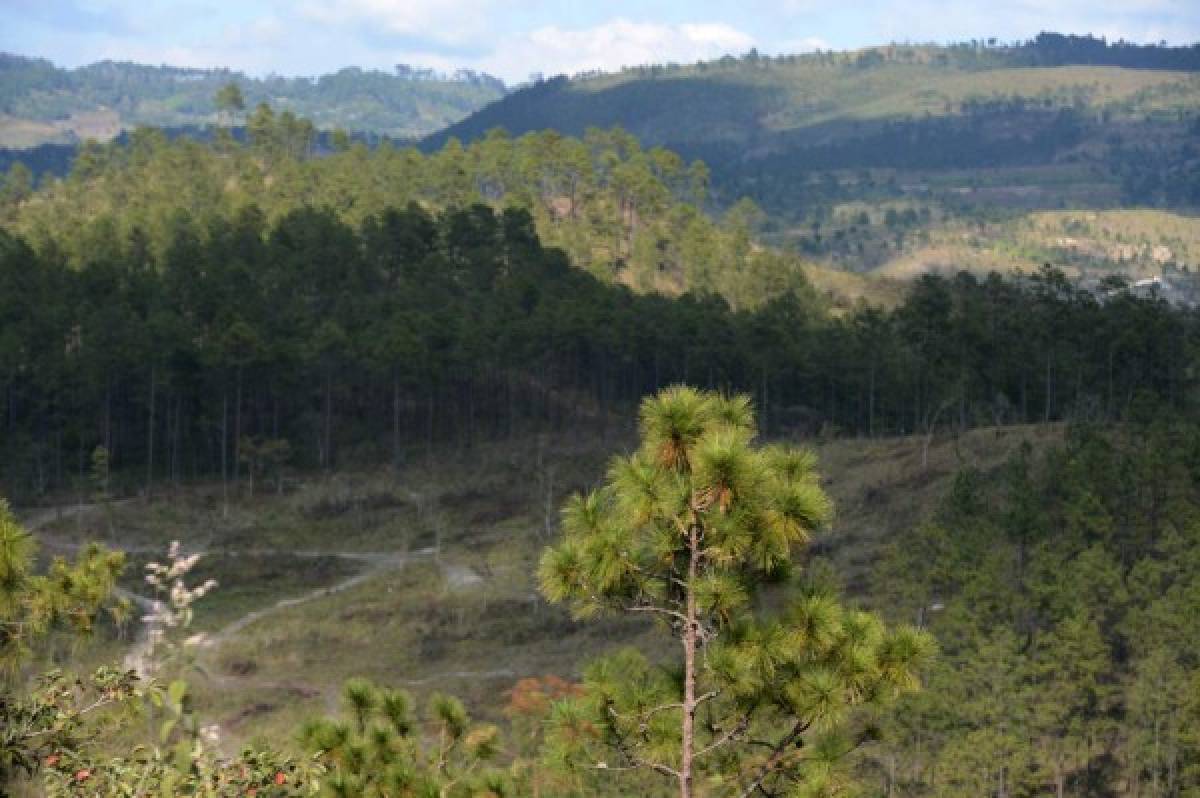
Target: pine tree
<point>68,596</point>
<point>229,101</point>
<point>380,749</point>
<point>687,530</point>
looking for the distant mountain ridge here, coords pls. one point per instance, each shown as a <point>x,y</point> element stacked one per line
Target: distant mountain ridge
<point>893,160</point>
<point>800,134</point>
<point>42,103</point>
<point>753,100</point>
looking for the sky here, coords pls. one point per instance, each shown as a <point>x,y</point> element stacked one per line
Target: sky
<point>517,38</point>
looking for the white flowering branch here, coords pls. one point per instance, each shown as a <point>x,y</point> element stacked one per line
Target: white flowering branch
<point>171,612</point>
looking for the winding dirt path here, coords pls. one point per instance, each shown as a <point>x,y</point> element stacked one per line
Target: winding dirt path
<point>377,564</point>
<point>374,563</point>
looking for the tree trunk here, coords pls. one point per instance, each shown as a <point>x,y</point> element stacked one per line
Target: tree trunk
<point>1049,372</point>
<point>108,419</point>
<point>150,437</point>
<point>689,668</point>
<point>1109,408</point>
<point>871,403</point>
<point>224,453</point>
<point>237,431</point>
<point>429,427</point>
<point>395,422</point>
<point>328,445</point>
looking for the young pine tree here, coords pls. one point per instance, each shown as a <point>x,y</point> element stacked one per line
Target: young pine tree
<point>379,748</point>
<point>686,530</point>
<point>67,597</point>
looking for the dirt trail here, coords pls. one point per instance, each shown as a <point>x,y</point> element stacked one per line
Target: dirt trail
<point>458,577</point>
<point>375,563</point>
<point>378,563</point>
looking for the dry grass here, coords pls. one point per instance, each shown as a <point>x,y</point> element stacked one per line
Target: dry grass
<point>1136,243</point>
<point>1143,239</point>
<point>18,133</point>
<point>881,489</point>
<point>468,620</point>
<point>100,124</point>
<point>950,258</point>
<point>845,289</point>
<point>808,93</point>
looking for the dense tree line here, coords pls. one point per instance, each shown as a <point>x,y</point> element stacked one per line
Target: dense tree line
<point>187,307</point>
<point>626,214</point>
<point>1162,176</point>
<point>355,342</point>
<point>985,136</point>
<point>1057,49</point>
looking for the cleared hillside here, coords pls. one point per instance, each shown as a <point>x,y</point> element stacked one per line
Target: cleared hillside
<point>429,570</point>
<point>753,101</point>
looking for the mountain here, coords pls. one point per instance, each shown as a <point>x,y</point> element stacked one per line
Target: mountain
<point>895,161</point>
<point>904,158</point>
<point>41,103</point>
<point>755,105</point>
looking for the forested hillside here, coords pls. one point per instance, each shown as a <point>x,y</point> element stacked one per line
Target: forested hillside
<point>1063,587</point>
<point>887,156</point>
<point>546,464</point>
<point>898,160</point>
<point>42,103</point>
<point>624,213</point>
<point>824,108</point>
<point>170,302</point>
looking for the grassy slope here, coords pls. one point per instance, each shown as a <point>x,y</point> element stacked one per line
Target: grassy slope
<point>1134,242</point>
<point>753,101</point>
<point>809,92</point>
<point>468,620</point>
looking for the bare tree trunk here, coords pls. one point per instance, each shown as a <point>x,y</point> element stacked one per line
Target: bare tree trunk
<point>1049,372</point>
<point>328,436</point>
<point>689,668</point>
<point>150,437</point>
<point>108,419</point>
<point>1109,408</point>
<point>429,427</point>
<point>237,431</point>
<point>395,422</point>
<point>224,454</point>
<point>930,429</point>
<point>871,403</point>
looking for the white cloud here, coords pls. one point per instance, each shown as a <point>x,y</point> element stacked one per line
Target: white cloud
<point>520,37</point>
<point>447,21</point>
<point>620,42</point>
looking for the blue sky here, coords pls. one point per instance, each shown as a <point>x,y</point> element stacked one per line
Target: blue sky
<point>515,38</point>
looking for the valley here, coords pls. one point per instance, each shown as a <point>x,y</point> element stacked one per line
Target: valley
<point>424,578</point>
<point>814,424</point>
